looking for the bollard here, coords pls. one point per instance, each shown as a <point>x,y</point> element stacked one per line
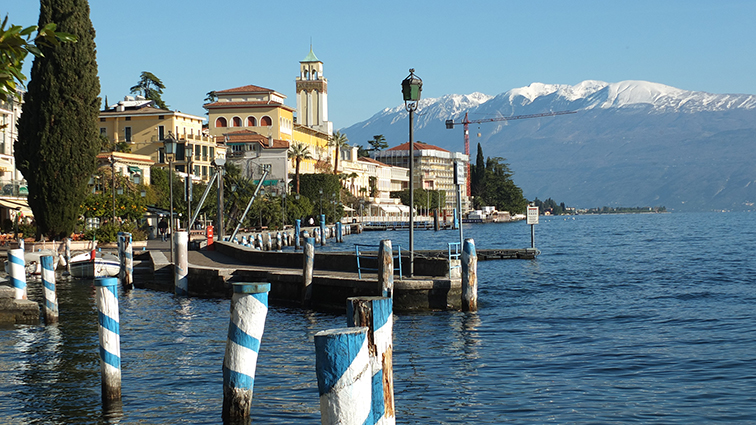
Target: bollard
<point>51,298</point>
<point>181,268</point>
<point>469,276</point>
<point>342,365</point>
<point>17,272</point>
<point>284,239</point>
<point>249,308</point>
<point>376,314</point>
<point>126,254</point>
<point>339,235</point>
<point>259,242</point>
<point>269,242</point>
<point>308,264</point>
<point>279,242</point>
<point>297,233</point>
<point>386,268</point>
<point>106,294</point>
<point>322,230</point>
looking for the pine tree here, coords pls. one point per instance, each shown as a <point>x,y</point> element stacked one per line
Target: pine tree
<point>57,133</point>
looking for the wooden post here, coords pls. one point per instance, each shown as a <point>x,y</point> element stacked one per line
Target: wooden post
<point>106,294</point>
<point>469,276</point>
<point>249,309</point>
<point>342,365</point>
<point>17,272</point>
<point>376,313</point>
<point>51,298</point>
<point>386,268</point>
<point>181,268</point>
<point>307,269</point>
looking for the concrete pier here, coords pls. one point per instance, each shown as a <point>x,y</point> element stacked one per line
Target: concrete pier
<point>17,312</point>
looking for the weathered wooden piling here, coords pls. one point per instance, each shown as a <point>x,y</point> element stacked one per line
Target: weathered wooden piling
<point>249,308</point>
<point>181,268</point>
<point>342,365</point>
<point>106,294</point>
<point>322,230</point>
<point>51,297</point>
<point>386,268</point>
<point>17,272</point>
<point>469,276</point>
<point>308,264</point>
<point>376,313</point>
<point>297,234</point>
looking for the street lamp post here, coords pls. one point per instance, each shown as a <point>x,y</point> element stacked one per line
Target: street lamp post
<point>169,145</point>
<point>411,88</point>
<point>112,177</point>
<point>321,201</point>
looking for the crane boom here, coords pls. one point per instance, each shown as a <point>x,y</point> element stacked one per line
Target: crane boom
<point>466,122</point>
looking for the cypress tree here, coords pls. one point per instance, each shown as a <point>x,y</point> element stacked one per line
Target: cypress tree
<point>57,132</point>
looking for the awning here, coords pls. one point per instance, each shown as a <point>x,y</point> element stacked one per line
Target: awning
<point>17,205</point>
<point>133,169</point>
<point>347,209</point>
<point>272,182</point>
<point>390,208</point>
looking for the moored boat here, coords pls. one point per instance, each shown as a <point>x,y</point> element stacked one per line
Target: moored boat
<point>104,265</point>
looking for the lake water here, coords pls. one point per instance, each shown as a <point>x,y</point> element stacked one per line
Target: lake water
<point>621,319</point>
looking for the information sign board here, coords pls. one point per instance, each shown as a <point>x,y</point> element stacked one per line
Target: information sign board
<point>532,214</point>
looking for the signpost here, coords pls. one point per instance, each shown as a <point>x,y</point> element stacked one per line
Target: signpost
<point>532,220</point>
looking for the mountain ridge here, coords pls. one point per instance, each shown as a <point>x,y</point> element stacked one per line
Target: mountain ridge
<point>631,143</point>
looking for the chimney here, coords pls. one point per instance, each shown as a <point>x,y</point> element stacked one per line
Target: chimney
<point>270,141</point>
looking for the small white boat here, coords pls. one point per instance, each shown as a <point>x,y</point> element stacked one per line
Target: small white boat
<point>104,265</point>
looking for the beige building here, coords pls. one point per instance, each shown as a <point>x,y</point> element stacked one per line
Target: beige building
<point>433,167</point>
<point>137,123</point>
<point>10,179</point>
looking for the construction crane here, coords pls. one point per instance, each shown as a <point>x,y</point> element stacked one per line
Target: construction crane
<point>466,122</point>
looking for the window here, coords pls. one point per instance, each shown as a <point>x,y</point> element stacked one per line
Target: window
<point>127,134</point>
<point>161,117</point>
<point>251,122</point>
<point>128,118</point>
<point>204,153</point>
<point>266,121</point>
<point>212,153</point>
<point>197,152</point>
<point>204,171</point>
<point>237,122</point>
<point>161,132</point>
<point>221,122</point>
<point>103,131</point>
<point>102,119</point>
<point>180,152</point>
<point>196,170</point>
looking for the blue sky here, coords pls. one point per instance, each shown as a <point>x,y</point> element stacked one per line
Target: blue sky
<point>460,47</point>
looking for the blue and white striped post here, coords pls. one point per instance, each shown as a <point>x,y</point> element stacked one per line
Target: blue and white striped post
<point>377,314</point>
<point>342,365</point>
<point>260,243</point>
<point>469,276</point>
<point>339,232</point>
<point>68,255</point>
<point>386,268</point>
<point>297,233</point>
<point>106,294</point>
<point>322,230</point>
<point>181,268</point>
<point>249,308</point>
<point>279,242</point>
<point>308,264</point>
<point>455,223</point>
<point>126,254</point>
<point>17,271</point>
<point>48,280</point>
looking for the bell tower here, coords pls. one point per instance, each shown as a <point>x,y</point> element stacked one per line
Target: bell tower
<point>312,95</point>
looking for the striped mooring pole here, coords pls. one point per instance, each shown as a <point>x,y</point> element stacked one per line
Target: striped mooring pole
<point>322,230</point>
<point>308,263</point>
<point>386,268</point>
<point>68,255</point>
<point>17,271</point>
<point>106,294</point>
<point>339,232</point>
<point>342,365</point>
<point>249,308</point>
<point>126,255</point>
<point>181,268</point>
<point>297,234</point>
<point>48,280</point>
<point>377,314</point>
<point>469,276</point>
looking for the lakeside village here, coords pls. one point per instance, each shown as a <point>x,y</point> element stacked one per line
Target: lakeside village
<point>308,170</point>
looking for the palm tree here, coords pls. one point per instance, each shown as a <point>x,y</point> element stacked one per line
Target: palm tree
<point>339,141</point>
<point>298,152</point>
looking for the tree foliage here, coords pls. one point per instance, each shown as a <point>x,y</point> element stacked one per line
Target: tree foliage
<point>298,152</point>
<point>16,42</point>
<point>338,141</point>
<point>378,143</point>
<point>494,185</point>
<point>423,198</point>
<point>150,87</point>
<point>58,137</point>
<point>311,186</point>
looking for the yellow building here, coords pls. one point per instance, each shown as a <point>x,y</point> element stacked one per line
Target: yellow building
<point>139,124</point>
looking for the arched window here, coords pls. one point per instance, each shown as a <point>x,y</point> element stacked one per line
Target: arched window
<point>251,121</point>
<point>306,75</point>
<point>314,75</point>
<point>266,121</point>
<point>221,122</point>
<point>237,122</point>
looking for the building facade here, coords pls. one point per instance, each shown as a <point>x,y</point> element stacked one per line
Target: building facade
<point>138,124</point>
<point>433,169</point>
<point>11,181</point>
<point>252,153</point>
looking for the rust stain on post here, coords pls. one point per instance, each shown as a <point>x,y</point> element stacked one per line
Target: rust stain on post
<point>388,383</point>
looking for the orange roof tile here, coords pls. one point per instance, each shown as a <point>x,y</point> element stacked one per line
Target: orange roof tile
<point>418,146</point>
<point>246,89</point>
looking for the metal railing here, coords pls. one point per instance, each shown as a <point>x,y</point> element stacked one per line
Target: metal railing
<point>454,254</point>
<point>361,254</point>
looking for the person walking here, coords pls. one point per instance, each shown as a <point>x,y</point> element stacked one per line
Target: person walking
<point>163,228</point>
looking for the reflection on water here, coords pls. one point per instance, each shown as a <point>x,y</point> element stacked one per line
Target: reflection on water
<point>622,319</point>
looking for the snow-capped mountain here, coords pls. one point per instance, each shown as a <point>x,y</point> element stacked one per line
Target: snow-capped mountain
<point>631,143</point>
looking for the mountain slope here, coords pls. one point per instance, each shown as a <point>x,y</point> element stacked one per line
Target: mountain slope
<point>632,143</point>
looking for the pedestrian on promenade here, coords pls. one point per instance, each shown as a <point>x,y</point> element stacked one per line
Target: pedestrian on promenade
<point>162,228</point>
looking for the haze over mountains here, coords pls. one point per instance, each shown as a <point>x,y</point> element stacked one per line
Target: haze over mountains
<point>632,143</point>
